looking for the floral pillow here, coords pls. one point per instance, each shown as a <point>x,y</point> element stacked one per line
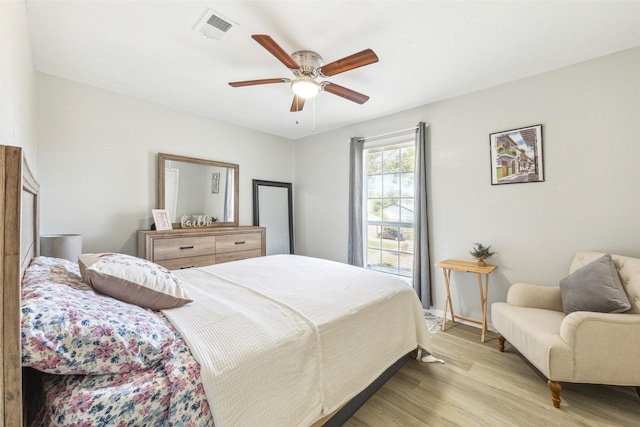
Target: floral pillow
<point>133,280</point>
<point>69,329</point>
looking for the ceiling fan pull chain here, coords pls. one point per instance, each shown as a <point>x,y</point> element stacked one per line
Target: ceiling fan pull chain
<point>313,126</point>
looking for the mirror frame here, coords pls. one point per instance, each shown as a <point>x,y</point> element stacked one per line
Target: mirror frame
<point>163,157</point>
<point>256,204</point>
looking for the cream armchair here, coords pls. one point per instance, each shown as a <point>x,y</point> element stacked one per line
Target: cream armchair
<point>579,347</point>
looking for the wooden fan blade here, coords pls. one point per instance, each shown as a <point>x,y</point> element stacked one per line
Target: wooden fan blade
<point>349,94</point>
<point>356,60</point>
<point>297,104</point>
<point>275,49</point>
<point>258,82</point>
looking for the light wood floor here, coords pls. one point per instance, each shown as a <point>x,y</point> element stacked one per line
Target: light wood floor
<point>479,386</point>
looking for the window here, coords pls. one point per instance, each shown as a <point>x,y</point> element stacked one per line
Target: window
<point>389,207</point>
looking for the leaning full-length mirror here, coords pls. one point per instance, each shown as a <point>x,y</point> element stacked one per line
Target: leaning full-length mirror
<point>272,209</point>
<point>190,186</point>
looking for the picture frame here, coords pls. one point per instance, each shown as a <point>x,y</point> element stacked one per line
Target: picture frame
<point>516,156</point>
<point>215,183</point>
<point>161,219</point>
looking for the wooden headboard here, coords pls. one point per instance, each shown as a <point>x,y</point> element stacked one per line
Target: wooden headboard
<point>19,196</point>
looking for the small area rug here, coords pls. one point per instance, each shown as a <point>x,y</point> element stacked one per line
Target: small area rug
<point>434,323</point>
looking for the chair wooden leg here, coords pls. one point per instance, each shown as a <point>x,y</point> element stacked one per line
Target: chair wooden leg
<point>501,343</point>
<point>556,389</point>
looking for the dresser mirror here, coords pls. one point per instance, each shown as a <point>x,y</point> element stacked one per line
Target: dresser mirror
<point>194,189</point>
<point>272,209</point>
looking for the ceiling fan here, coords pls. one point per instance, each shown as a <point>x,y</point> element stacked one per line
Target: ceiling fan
<point>307,66</point>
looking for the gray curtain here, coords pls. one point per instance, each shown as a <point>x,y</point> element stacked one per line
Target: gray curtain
<point>356,175</point>
<point>422,265</point>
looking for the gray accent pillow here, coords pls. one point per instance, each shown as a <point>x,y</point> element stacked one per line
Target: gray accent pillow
<point>594,287</point>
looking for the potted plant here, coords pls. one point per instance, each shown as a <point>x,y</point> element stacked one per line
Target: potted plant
<point>480,252</point>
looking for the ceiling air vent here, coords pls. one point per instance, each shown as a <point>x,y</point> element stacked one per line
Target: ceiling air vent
<point>214,26</point>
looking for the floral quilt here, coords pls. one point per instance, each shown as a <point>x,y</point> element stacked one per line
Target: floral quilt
<point>108,363</point>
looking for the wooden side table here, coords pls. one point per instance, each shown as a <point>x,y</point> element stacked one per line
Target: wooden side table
<point>466,267</point>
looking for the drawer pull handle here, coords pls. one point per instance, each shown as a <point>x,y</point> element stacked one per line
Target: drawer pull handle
<point>186,247</point>
<point>191,266</point>
<point>240,243</point>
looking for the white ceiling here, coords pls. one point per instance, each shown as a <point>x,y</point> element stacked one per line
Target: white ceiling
<point>428,50</point>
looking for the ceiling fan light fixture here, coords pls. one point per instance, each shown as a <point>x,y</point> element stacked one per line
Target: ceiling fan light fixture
<point>305,87</point>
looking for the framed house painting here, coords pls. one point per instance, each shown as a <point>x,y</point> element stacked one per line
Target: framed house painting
<point>516,156</point>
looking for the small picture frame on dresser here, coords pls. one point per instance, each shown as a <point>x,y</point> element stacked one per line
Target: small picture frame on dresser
<point>161,219</point>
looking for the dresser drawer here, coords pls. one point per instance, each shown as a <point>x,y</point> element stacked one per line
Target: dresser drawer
<point>179,263</point>
<point>235,256</point>
<point>183,247</point>
<point>238,242</point>
<point>198,247</point>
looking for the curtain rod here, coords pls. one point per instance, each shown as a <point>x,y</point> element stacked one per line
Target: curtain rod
<point>388,135</point>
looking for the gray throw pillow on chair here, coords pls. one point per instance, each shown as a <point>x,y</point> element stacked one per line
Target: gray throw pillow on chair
<point>594,287</point>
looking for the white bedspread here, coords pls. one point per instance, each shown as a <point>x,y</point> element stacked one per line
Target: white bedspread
<point>303,335</point>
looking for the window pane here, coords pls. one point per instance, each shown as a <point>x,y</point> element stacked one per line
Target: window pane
<point>390,235</point>
<point>407,239</point>
<point>389,262</point>
<point>374,210</point>
<point>391,161</point>
<point>391,185</point>
<point>374,163</point>
<point>373,259</point>
<point>374,186</point>
<point>391,212</point>
<point>405,267</point>
<point>408,159</point>
<point>373,237</point>
<point>407,185</point>
<point>406,212</point>
<point>407,203</point>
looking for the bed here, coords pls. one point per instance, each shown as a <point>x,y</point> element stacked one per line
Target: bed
<point>262,341</point>
<point>18,244</point>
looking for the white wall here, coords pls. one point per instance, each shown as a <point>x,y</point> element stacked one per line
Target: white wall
<point>17,81</point>
<point>97,167</point>
<point>98,160</point>
<point>590,114</point>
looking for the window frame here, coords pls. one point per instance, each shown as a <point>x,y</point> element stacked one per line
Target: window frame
<point>381,145</point>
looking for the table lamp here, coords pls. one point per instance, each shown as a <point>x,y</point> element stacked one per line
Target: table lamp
<point>67,246</point>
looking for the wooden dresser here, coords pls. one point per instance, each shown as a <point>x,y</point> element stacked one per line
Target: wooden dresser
<point>196,247</point>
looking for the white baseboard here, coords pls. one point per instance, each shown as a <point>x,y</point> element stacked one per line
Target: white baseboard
<point>440,313</point>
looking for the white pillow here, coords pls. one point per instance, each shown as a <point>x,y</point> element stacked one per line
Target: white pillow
<point>133,280</point>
